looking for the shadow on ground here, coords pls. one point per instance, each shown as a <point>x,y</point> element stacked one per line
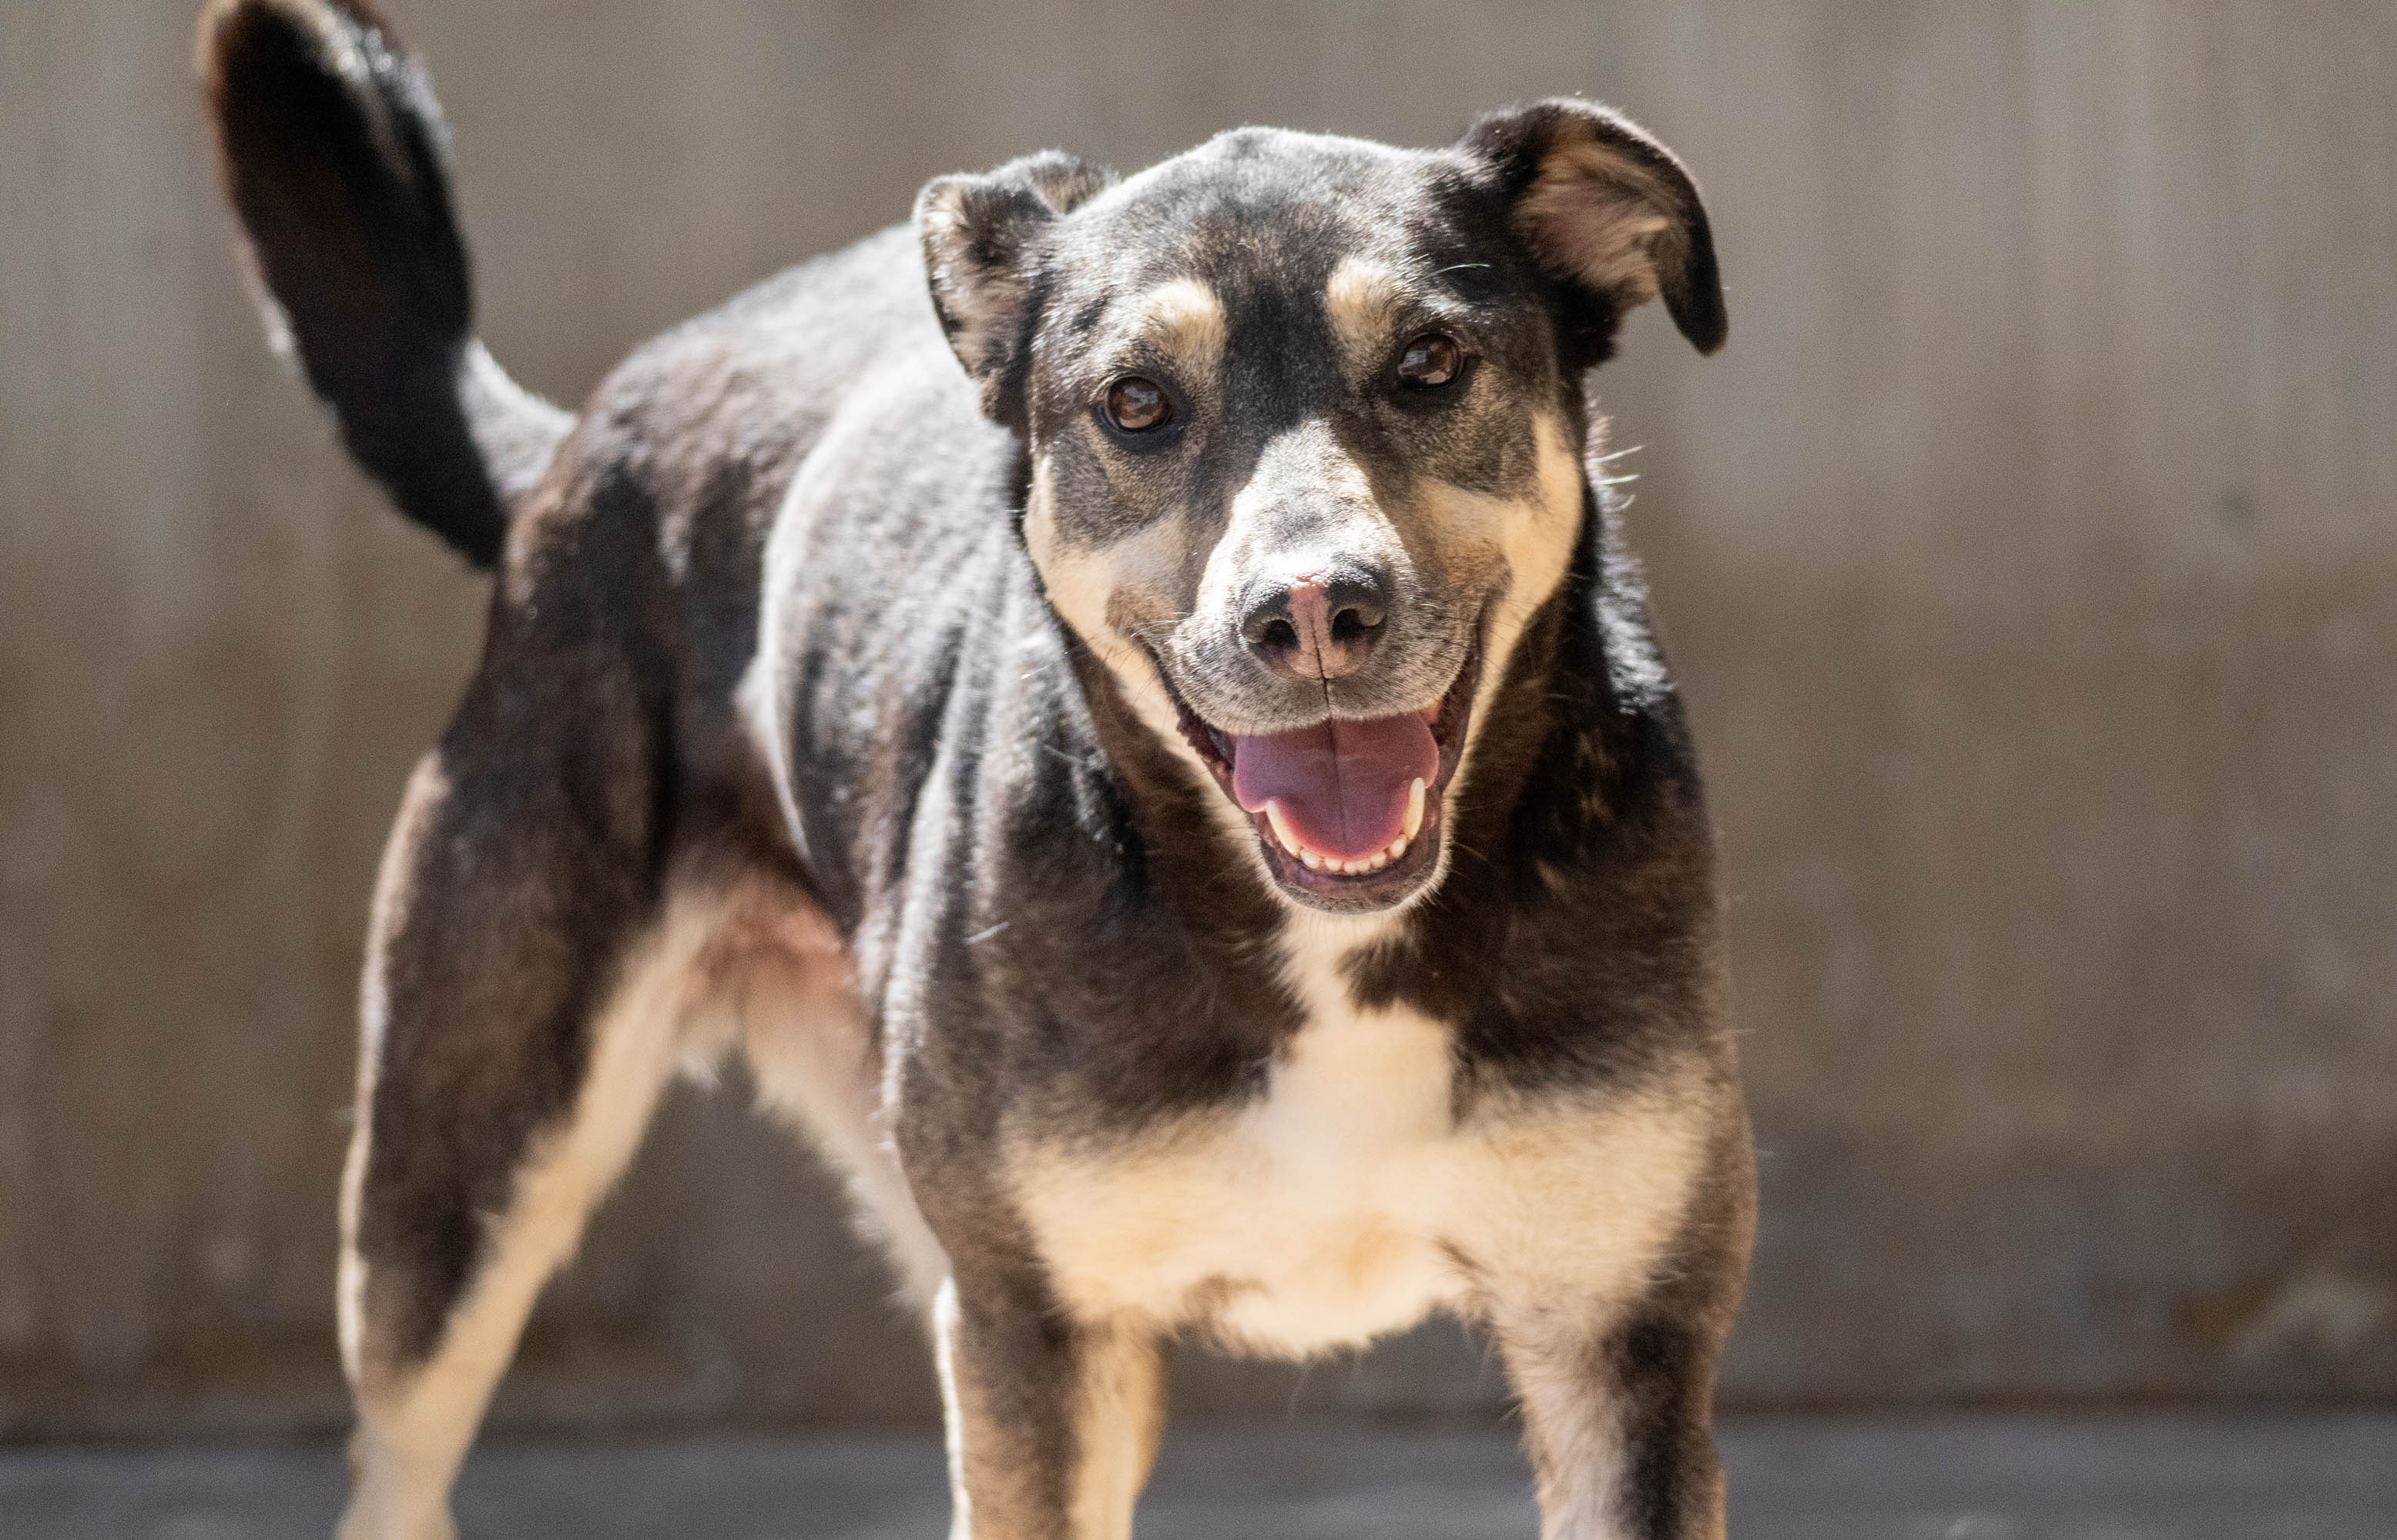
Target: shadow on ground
<point>2310,1478</point>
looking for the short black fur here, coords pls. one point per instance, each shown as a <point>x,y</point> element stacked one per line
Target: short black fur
<point>334,155</point>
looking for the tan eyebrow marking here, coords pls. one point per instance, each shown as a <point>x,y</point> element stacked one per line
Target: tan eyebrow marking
<point>1183,317</point>
<point>1362,298</point>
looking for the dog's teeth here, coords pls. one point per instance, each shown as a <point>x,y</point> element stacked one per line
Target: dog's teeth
<point>1281,826</point>
<point>1338,866</point>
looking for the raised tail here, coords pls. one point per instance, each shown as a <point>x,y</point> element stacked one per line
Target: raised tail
<point>336,157</point>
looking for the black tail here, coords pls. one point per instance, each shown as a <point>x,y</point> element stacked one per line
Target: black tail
<point>334,155</point>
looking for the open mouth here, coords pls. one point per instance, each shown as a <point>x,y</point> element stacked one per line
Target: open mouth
<point>1347,813</point>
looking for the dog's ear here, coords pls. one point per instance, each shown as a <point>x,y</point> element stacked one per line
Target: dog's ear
<point>981,237</point>
<point>1608,211</point>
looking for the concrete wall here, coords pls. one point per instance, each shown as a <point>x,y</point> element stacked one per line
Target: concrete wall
<point>2031,556</point>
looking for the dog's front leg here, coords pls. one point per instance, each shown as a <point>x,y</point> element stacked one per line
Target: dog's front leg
<point>1617,1411</point>
<point>1052,1423</point>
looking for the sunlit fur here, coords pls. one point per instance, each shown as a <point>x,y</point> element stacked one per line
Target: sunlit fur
<point>838,712</point>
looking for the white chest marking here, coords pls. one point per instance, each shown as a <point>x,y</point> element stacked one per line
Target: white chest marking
<point>1346,1202</point>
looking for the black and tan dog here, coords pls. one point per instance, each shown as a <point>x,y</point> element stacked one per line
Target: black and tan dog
<point>1185,808</point>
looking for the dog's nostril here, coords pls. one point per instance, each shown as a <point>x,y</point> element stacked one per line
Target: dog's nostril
<point>1278,636</point>
<point>1352,623</point>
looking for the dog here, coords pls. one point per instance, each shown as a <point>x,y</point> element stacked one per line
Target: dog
<point>1124,700</point>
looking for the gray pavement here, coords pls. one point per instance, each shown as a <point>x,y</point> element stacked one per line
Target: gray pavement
<point>2288,1478</point>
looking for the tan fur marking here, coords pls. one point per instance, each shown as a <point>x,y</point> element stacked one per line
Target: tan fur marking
<point>1086,588</point>
<point>1362,297</point>
<point>813,1059</point>
<point>1185,318</point>
<point>1118,1417</point>
<point>1087,585</point>
<point>1534,538</point>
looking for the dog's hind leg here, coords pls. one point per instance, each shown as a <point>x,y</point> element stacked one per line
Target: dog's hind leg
<point>525,995</point>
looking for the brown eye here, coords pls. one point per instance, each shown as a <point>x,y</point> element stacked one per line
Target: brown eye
<point>1134,406</point>
<point>1431,359</point>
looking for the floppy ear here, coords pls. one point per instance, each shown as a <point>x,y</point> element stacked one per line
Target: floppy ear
<point>1609,211</point>
<point>980,235</point>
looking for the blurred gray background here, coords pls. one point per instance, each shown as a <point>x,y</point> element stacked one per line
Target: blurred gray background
<point>2029,558</point>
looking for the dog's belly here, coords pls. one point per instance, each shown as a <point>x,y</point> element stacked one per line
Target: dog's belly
<point>1349,1202</point>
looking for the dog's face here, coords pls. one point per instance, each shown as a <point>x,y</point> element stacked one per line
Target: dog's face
<point>1304,416</point>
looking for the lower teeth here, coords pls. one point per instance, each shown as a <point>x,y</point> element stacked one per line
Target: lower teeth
<point>1289,840</point>
<point>1359,868</point>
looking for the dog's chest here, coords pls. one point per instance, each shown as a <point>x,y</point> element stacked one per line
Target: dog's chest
<point>1324,1212</point>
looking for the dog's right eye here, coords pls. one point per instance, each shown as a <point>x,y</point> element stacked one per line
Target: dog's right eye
<point>1430,361</point>
<point>1136,405</point>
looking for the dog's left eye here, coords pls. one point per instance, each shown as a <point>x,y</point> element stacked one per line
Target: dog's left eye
<point>1136,405</point>
<point>1430,360</point>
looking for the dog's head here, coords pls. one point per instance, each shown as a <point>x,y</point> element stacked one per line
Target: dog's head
<point>1303,419</point>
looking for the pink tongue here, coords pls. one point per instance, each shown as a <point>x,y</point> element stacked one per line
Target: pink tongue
<point>1341,785</point>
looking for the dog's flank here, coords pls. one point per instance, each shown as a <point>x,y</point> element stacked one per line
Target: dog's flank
<point>334,154</point>
<point>1125,701</point>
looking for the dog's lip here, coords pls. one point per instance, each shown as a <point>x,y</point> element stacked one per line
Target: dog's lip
<point>1448,717</point>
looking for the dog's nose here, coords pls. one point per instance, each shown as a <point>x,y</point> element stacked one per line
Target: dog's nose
<point>1318,624</point>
